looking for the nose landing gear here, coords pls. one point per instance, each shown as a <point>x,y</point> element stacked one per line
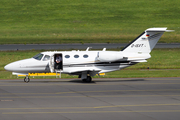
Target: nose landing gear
<point>26,79</point>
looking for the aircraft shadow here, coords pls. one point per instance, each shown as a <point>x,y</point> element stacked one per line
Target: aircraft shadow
<point>98,81</point>
<point>77,81</point>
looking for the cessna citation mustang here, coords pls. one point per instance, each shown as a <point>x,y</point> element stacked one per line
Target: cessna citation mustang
<point>87,63</point>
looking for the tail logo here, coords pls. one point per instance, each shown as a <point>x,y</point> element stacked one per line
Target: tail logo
<point>147,35</point>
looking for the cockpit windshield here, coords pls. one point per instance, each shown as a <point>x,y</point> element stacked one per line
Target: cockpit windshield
<point>46,57</point>
<point>38,56</point>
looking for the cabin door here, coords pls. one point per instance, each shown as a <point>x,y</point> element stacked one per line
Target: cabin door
<point>58,61</point>
<point>51,64</point>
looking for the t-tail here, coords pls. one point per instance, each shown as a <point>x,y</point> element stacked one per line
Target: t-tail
<point>146,41</point>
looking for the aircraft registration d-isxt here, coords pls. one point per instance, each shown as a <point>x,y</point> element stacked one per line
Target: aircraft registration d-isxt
<point>87,63</point>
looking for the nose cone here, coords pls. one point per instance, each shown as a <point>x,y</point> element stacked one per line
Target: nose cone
<point>16,66</point>
<point>9,67</point>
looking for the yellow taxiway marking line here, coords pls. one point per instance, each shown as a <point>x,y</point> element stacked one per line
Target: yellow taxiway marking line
<point>92,92</point>
<point>98,96</point>
<point>80,112</point>
<point>55,108</point>
<point>140,105</point>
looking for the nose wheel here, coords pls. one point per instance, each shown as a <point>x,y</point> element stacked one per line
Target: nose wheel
<point>26,79</point>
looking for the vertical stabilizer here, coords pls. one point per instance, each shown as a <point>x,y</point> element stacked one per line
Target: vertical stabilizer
<point>146,41</point>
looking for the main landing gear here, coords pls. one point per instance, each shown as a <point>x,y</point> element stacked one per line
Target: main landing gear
<point>85,77</point>
<point>26,79</point>
<point>87,80</point>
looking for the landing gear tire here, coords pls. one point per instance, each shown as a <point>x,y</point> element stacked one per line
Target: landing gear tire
<point>88,80</point>
<point>26,79</point>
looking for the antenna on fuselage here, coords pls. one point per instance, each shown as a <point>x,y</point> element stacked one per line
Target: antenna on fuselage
<point>88,48</point>
<point>104,49</point>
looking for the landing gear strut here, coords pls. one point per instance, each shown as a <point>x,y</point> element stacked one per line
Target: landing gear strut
<point>88,79</point>
<point>26,79</point>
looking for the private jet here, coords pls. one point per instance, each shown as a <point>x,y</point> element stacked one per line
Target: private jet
<point>87,64</point>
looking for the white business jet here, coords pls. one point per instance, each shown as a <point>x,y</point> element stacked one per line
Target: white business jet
<point>87,63</point>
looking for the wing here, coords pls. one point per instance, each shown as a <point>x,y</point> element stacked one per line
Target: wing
<point>79,71</point>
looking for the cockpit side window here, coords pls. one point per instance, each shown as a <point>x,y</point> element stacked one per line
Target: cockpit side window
<point>46,57</point>
<point>38,56</point>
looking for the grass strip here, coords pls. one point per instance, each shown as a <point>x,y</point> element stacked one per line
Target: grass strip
<point>126,73</point>
<point>85,21</point>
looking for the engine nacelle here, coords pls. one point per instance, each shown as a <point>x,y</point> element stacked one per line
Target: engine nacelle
<point>108,56</point>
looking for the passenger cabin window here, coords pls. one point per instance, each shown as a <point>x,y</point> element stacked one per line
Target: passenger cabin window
<point>46,57</point>
<point>76,56</point>
<point>38,56</point>
<point>85,56</point>
<point>67,56</point>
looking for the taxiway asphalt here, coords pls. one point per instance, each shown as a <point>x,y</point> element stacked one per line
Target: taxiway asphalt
<point>103,99</point>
